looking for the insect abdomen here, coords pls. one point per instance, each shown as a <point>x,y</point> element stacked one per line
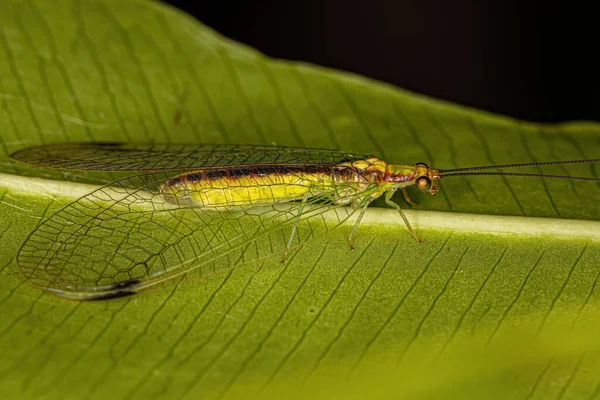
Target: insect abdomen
<point>253,185</point>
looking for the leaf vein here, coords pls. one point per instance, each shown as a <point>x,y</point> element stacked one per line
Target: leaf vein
<point>342,329</point>
<point>562,289</point>
<point>417,331</point>
<point>316,318</point>
<point>474,299</point>
<point>516,298</point>
<point>259,348</point>
<point>399,305</point>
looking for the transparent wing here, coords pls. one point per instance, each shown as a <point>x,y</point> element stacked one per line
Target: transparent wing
<point>126,237</point>
<point>170,157</point>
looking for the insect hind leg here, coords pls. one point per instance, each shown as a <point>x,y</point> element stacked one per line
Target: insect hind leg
<point>295,226</point>
<point>363,204</point>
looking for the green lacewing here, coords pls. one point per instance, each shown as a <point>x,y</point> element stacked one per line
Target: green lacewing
<point>193,207</point>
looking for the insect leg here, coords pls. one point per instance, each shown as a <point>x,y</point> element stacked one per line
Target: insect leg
<point>289,244</point>
<point>388,200</point>
<point>366,202</point>
<point>407,197</point>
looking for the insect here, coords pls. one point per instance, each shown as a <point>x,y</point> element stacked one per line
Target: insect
<point>192,209</point>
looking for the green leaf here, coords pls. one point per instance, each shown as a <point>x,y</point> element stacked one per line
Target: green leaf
<point>501,299</point>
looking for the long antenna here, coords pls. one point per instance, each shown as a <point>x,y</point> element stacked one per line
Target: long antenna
<point>566,177</point>
<point>535,164</point>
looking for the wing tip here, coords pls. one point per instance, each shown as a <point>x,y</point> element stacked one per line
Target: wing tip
<point>109,292</point>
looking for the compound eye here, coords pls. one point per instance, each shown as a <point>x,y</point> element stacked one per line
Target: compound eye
<point>423,164</point>
<point>423,183</point>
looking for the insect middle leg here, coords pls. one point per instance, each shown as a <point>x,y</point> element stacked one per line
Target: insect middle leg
<point>363,204</point>
<point>388,200</point>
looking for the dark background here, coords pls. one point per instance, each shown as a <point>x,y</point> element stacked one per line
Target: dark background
<point>531,60</point>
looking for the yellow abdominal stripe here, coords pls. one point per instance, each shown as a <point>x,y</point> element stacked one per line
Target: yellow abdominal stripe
<point>252,190</point>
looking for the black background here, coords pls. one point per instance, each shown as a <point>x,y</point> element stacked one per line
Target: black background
<point>531,60</point>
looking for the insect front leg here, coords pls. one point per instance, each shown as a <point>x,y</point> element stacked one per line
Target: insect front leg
<point>388,200</point>
<point>407,197</point>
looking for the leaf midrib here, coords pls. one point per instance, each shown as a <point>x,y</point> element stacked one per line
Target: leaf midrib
<point>66,192</point>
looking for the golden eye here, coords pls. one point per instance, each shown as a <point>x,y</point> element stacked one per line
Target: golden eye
<point>423,183</point>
